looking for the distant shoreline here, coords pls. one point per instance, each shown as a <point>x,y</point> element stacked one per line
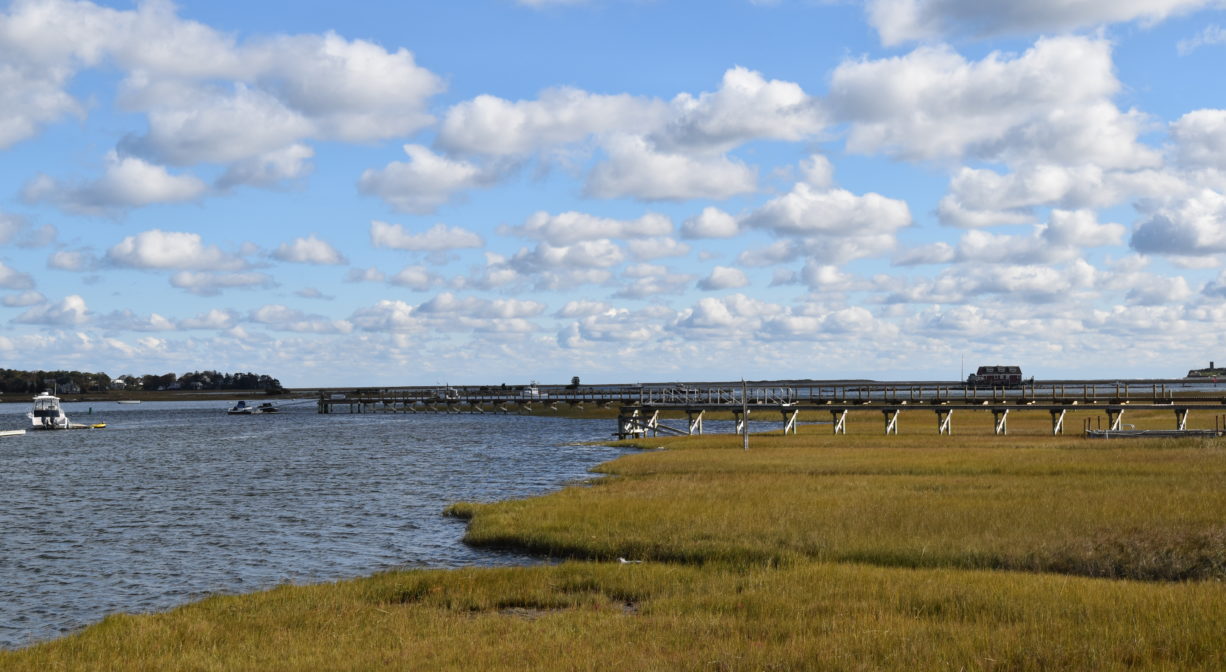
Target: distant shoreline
<point>163,395</point>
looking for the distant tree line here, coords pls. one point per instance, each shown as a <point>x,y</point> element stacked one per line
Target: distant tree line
<point>73,382</point>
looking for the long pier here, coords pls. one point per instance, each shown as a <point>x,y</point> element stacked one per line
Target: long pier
<point>641,407</point>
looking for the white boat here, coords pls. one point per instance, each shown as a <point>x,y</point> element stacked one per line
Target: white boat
<point>128,401</point>
<point>47,413</point>
<point>12,432</point>
<point>243,408</point>
<point>532,392</point>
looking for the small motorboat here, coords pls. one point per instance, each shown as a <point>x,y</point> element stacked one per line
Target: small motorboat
<point>243,408</point>
<point>47,413</point>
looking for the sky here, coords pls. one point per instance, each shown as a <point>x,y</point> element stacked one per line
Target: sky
<point>502,191</point>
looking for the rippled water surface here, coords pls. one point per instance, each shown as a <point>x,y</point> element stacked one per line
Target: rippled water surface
<point>175,501</point>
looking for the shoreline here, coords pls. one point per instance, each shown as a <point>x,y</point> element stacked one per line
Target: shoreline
<point>176,395</point>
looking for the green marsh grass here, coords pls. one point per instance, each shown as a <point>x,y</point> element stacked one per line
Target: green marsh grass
<point>857,552</point>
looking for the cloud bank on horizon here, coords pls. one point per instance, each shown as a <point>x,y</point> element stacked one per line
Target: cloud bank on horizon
<point>411,193</point>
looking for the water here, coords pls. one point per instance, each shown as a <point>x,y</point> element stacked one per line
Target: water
<point>176,501</point>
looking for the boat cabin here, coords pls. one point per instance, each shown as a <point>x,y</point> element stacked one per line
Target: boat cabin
<point>47,414</point>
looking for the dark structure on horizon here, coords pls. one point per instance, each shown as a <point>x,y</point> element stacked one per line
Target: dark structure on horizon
<point>996,376</point>
<point>1211,372</point>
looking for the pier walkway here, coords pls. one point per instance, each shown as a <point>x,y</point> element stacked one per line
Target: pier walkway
<point>641,407</point>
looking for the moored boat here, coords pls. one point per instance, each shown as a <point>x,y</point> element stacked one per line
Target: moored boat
<point>243,408</point>
<point>47,414</point>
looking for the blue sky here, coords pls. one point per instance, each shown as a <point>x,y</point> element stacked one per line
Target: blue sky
<point>494,191</point>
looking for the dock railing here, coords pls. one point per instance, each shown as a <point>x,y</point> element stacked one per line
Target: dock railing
<point>645,400</point>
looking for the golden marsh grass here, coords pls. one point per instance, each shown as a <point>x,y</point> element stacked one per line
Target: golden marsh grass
<point>1119,509</point>
<point>858,552</point>
<point>585,616</point>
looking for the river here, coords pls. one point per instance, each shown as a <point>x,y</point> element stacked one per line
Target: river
<point>175,501</point>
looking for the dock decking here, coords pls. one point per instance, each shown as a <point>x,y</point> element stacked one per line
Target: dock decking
<point>640,406</point>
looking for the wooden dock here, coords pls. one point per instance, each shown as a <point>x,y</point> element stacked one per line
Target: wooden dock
<point>640,407</point>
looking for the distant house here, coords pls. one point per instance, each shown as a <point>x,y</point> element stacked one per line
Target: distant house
<point>119,384</point>
<point>996,376</point>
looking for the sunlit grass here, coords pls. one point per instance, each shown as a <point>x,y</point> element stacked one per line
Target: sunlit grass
<point>856,552</point>
<point>669,617</point>
<point>1142,510</point>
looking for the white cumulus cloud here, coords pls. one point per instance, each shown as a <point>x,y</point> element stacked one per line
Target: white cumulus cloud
<point>283,318</point>
<point>23,299</point>
<point>1193,227</point>
<point>724,277</point>
<point>806,211</point>
<point>207,96</point>
<point>637,169</point>
<point>746,107</point>
<point>30,97</point>
<point>309,250</point>
<point>571,227</point>
<point>1200,138</point>
<point>69,312</point>
<point>417,278</point>
<point>588,254</point>
<point>128,182</point>
<point>906,20</point>
<point>1051,104</point>
<point>436,238</point>
<point>269,168</point>
<point>711,223</point>
<point>387,315</point>
<point>72,260</point>
<point>157,249</point>
<point>423,184</point>
<point>215,318</point>
<point>649,280</point>
<point>646,249</point>
<point>11,278</point>
<point>561,116</point>
<point>192,125</point>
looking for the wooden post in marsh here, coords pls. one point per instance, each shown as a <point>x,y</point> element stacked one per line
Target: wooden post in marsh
<point>744,415</point>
